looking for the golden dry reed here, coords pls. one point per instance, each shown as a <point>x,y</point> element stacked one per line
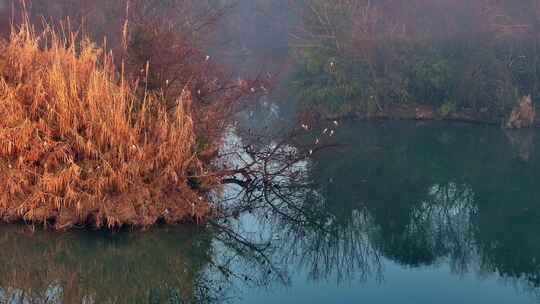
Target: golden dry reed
<point>79,147</point>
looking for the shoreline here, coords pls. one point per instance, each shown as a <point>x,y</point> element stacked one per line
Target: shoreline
<point>424,113</point>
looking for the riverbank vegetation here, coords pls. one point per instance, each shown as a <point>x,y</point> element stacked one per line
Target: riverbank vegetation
<point>80,145</point>
<point>114,136</point>
<point>466,59</point>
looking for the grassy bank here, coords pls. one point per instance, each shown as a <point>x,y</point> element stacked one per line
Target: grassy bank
<point>82,145</point>
<point>461,58</point>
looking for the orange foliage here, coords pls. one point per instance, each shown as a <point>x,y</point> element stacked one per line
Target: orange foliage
<point>79,146</point>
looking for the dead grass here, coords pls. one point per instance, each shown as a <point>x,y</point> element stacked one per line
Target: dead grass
<point>523,115</point>
<point>78,146</point>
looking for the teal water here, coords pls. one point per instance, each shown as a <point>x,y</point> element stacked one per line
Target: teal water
<point>401,212</point>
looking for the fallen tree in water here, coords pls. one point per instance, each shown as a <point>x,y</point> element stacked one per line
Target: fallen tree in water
<point>79,145</point>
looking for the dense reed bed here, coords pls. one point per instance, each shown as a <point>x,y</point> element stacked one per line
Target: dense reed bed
<point>81,145</point>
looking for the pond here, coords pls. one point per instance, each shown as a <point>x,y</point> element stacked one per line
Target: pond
<point>399,212</point>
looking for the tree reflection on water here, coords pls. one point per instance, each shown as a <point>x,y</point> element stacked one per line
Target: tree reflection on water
<point>414,195</point>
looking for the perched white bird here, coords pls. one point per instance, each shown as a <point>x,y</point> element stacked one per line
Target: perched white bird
<point>317,141</point>
<point>336,123</point>
<point>207,57</point>
<point>310,152</point>
<point>332,133</point>
<point>325,131</point>
<point>305,127</point>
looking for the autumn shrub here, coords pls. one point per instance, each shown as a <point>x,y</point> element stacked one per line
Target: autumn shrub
<point>80,145</point>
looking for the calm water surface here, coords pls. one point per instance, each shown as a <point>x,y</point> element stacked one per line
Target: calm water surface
<point>402,213</point>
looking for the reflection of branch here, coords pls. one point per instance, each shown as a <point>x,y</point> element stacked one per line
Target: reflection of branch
<point>245,248</point>
<point>274,180</point>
